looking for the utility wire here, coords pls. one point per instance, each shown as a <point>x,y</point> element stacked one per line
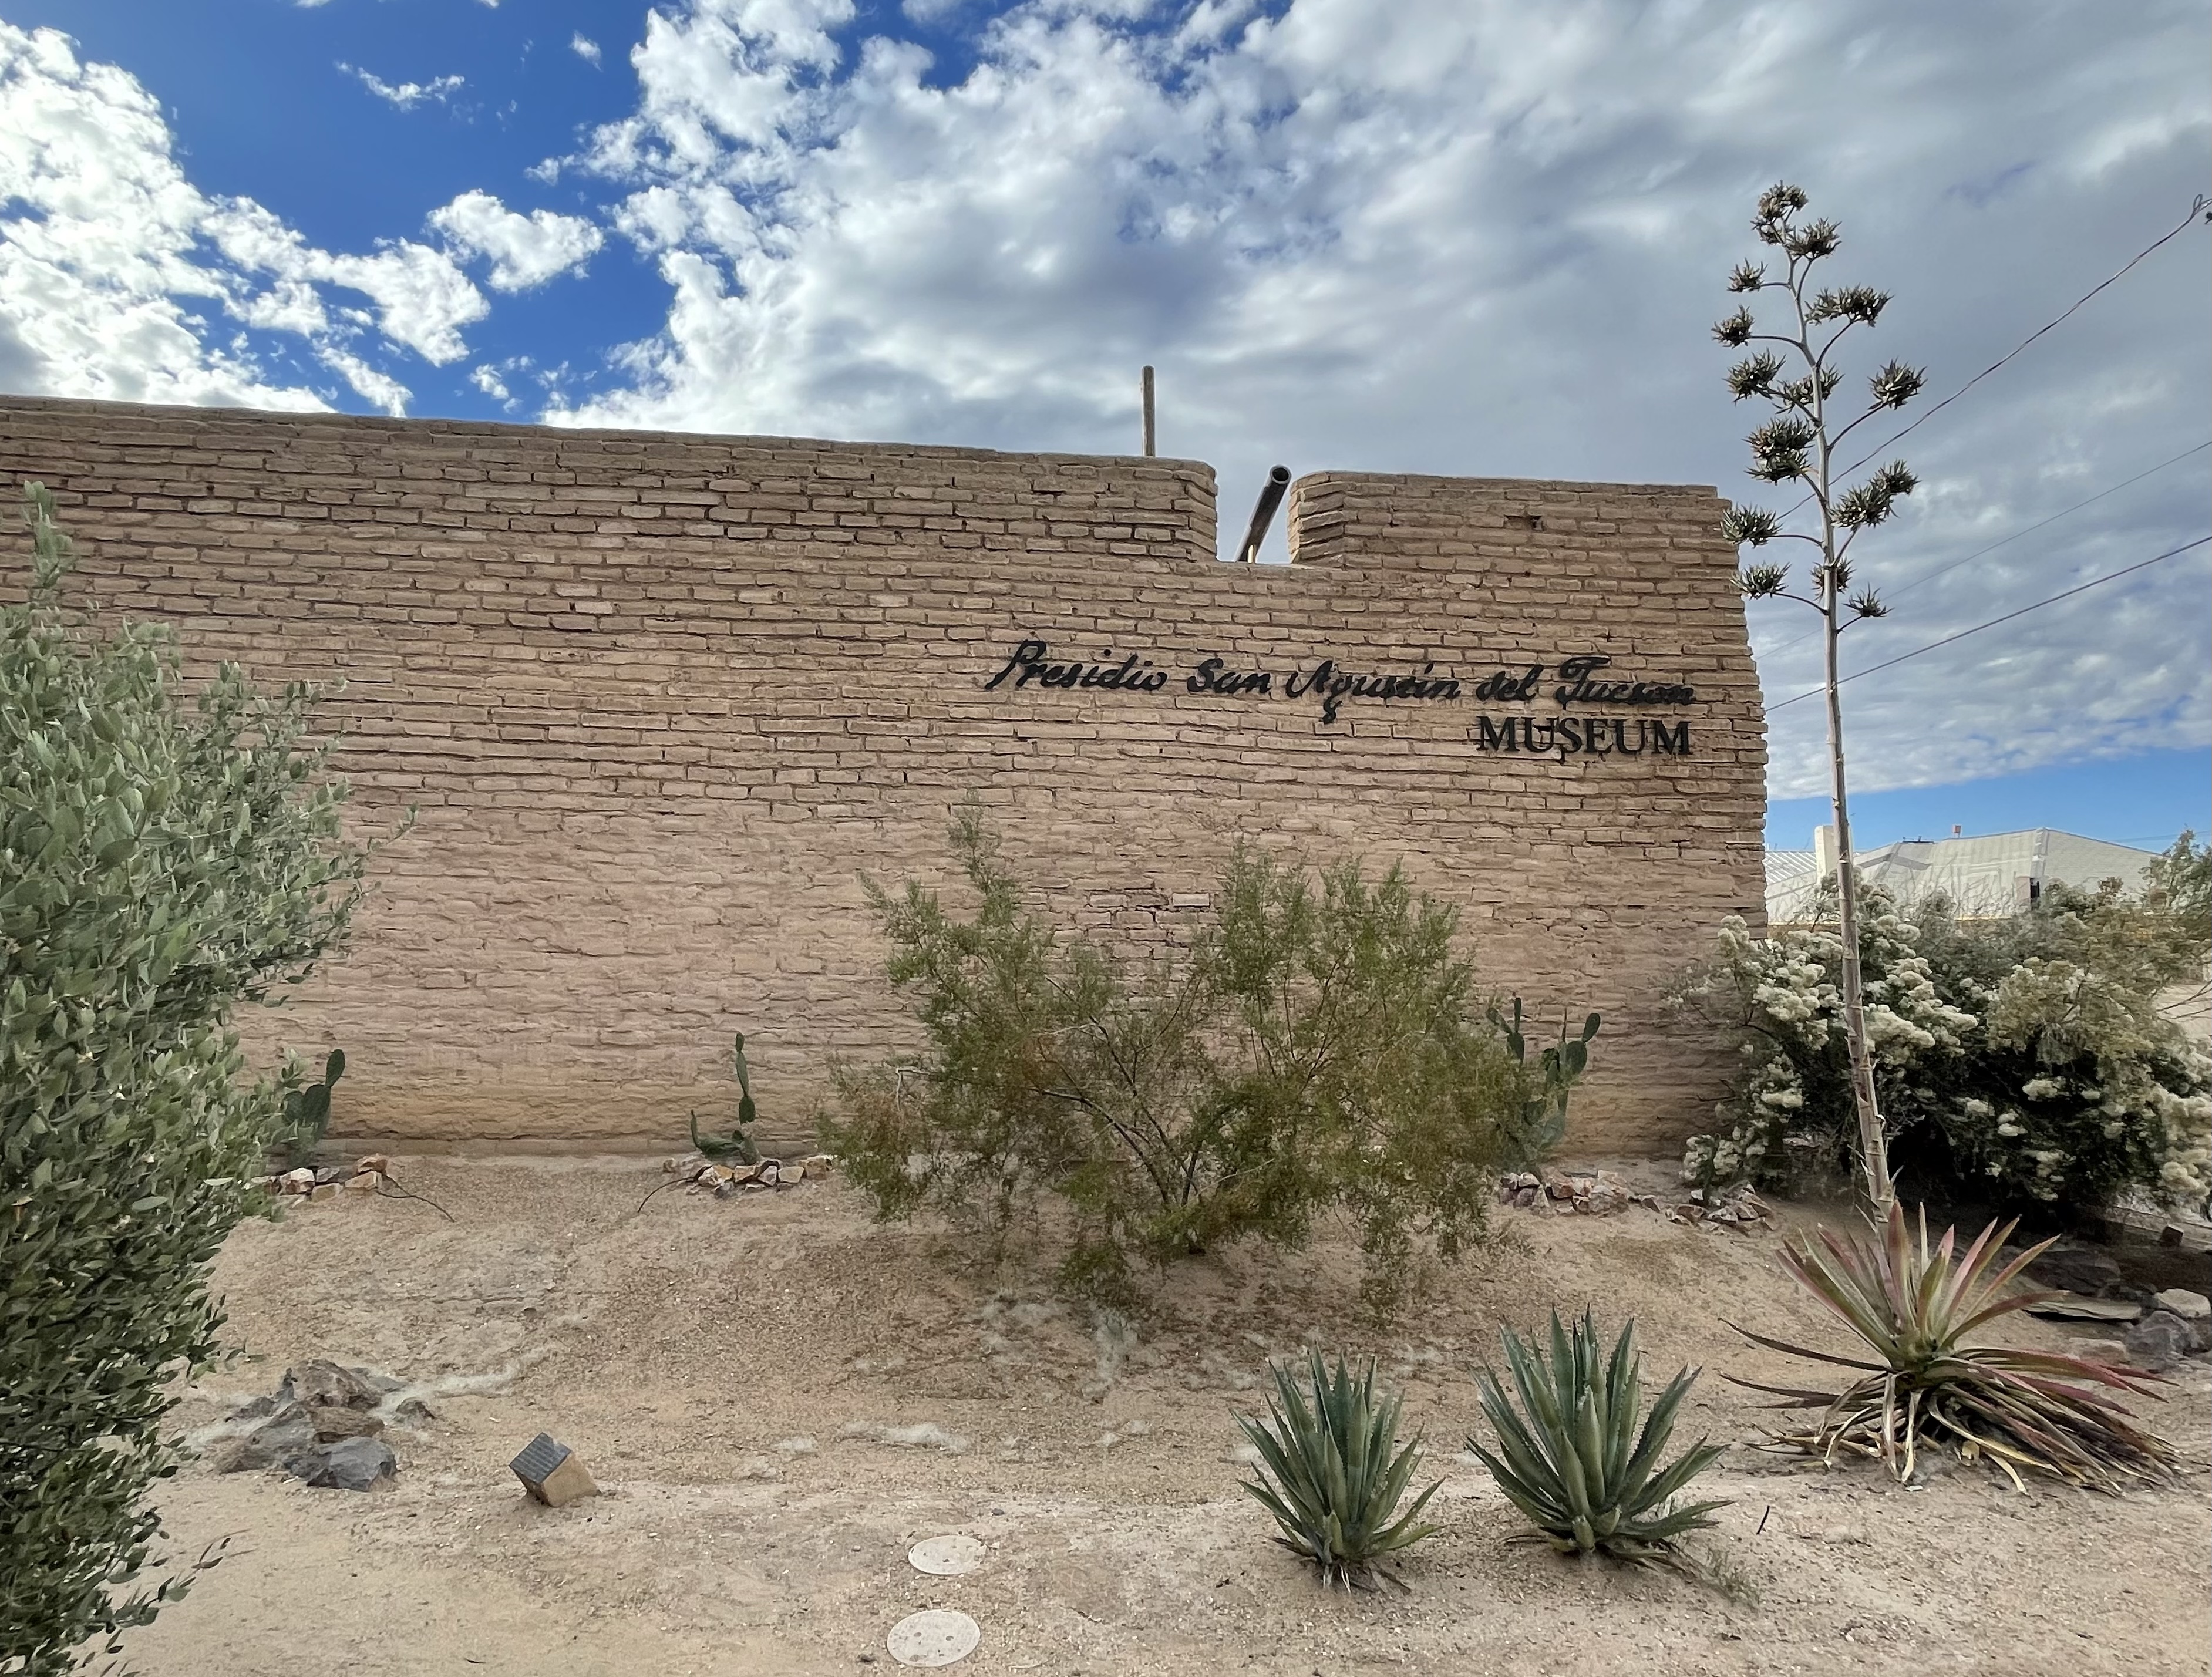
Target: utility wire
<point>2195,208</point>
<point>2084,588</point>
<point>1940,570</point>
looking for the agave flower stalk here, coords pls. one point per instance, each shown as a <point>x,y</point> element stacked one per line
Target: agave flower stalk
<point>1913,1305</point>
<point>1333,1473</point>
<point>1799,444</point>
<point>1571,1456</point>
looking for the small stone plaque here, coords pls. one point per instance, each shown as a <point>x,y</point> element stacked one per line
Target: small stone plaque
<point>946,1557</point>
<point>939,1637</point>
<point>539,1458</point>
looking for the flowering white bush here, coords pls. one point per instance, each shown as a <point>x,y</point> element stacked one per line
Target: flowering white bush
<point>2020,1062</point>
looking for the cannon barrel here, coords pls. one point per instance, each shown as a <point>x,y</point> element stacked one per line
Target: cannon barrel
<point>1271,497</point>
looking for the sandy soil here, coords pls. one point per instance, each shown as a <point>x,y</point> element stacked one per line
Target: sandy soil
<point>736,1373</point>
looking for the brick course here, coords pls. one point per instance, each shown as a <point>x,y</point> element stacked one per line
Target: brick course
<point>662,701</point>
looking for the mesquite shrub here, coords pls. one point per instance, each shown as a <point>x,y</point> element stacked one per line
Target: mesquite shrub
<point>2023,1061</point>
<point>162,861</point>
<point>1319,1047</point>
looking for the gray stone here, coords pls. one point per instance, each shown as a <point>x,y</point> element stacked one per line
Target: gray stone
<point>351,1464</point>
<point>2088,1270</point>
<point>333,1423</point>
<point>2160,1340</point>
<point>2072,1307</point>
<point>289,1430</point>
<point>321,1384</point>
<point>2189,1306</point>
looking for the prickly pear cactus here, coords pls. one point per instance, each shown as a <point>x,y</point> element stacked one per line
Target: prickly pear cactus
<point>308,1111</point>
<point>737,1145</point>
<point>1558,1070</point>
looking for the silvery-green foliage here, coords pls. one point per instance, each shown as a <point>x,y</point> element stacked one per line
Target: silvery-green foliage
<point>1580,1455</point>
<point>2021,1060</point>
<point>1332,1471</point>
<point>163,860</point>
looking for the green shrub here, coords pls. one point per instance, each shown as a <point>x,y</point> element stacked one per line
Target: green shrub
<point>1332,1471</point>
<point>1571,1456</point>
<point>2020,1062</point>
<point>161,863</point>
<point>1319,1047</point>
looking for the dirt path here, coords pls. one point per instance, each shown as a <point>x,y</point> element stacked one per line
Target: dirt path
<point>779,1398</point>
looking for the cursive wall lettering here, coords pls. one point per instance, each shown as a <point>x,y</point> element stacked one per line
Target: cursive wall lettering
<point>1581,680</point>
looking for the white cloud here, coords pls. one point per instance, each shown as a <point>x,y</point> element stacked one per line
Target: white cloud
<point>113,265</point>
<point>102,283</point>
<point>387,393</point>
<point>487,379</point>
<point>423,297</point>
<point>408,95</point>
<point>1478,237</point>
<point>525,249</point>
<point>584,48</point>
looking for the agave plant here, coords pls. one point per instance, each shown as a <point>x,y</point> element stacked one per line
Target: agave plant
<point>1913,1305</point>
<point>1571,1456</point>
<point>1332,1471</point>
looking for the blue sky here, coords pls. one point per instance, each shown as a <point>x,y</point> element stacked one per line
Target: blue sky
<point>1469,236</point>
<point>2142,800</point>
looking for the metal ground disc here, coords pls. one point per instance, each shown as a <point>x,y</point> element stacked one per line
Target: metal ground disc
<point>939,1637</point>
<point>946,1557</point>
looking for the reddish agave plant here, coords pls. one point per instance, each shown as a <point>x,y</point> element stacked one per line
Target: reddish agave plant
<point>1913,1305</point>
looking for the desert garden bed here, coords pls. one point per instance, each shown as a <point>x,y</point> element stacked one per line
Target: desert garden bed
<point>778,1398</point>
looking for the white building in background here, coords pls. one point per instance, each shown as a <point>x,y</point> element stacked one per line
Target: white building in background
<point>2000,873</point>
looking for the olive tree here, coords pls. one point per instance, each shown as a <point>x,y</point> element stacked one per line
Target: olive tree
<point>1798,379</point>
<point>165,860</point>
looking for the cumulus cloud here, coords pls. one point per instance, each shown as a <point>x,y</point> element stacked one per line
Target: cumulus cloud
<point>103,280</point>
<point>584,48</point>
<point>407,95</point>
<point>1476,236</point>
<point>524,250</point>
<point>423,298</point>
<point>114,268</point>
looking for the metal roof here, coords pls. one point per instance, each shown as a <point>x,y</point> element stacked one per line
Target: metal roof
<point>1997,873</point>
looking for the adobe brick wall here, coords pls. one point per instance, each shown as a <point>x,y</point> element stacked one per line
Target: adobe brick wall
<point>662,699</point>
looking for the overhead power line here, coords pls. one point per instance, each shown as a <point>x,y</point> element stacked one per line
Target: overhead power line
<point>1906,588</point>
<point>2197,209</point>
<point>2098,582</point>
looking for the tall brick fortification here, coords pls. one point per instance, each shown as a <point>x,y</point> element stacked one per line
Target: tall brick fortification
<point>662,701</point>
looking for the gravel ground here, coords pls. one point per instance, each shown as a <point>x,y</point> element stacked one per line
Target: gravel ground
<point>778,1397</point>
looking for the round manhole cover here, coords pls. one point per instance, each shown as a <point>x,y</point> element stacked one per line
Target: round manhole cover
<point>946,1557</point>
<point>940,1636</point>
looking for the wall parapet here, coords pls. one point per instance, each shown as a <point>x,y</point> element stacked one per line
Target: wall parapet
<point>662,699</point>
